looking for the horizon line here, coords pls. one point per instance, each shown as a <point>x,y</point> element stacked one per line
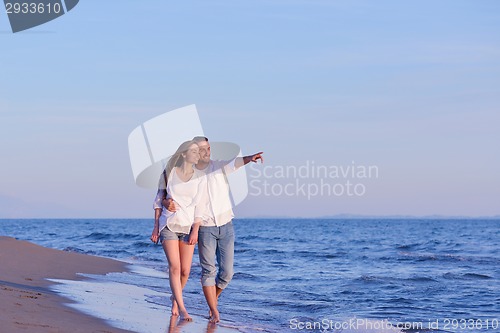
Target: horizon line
<point>263,217</point>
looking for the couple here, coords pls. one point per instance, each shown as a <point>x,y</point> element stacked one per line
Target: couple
<point>193,206</point>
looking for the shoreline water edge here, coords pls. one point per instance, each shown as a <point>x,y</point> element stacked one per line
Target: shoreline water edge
<point>48,290</point>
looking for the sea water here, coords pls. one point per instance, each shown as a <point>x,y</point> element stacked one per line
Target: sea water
<point>315,275</point>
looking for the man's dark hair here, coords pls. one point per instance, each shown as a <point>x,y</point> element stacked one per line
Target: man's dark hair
<point>198,139</point>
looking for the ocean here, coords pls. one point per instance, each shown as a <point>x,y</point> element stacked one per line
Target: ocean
<point>312,275</point>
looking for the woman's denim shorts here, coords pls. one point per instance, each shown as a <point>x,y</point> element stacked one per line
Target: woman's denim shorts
<point>166,234</point>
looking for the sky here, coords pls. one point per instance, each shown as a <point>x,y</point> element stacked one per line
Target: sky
<point>410,89</point>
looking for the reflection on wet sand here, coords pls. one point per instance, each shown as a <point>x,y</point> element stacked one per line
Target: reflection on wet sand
<point>177,325</point>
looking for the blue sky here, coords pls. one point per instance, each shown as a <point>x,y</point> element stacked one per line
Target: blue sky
<point>411,87</point>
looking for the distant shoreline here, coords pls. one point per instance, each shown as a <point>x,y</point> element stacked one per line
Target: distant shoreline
<point>335,217</point>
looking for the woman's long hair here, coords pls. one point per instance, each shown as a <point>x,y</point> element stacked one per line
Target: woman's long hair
<point>177,159</point>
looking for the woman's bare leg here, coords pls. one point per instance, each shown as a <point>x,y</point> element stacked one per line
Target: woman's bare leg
<point>171,248</point>
<point>186,259</point>
<point>186,253</point>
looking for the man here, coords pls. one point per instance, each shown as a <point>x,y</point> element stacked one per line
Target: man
<point>216,233</point>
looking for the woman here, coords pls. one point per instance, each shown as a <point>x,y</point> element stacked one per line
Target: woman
<point>178,231</point>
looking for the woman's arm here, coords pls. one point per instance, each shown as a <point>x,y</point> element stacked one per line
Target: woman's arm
<point>155,234</point>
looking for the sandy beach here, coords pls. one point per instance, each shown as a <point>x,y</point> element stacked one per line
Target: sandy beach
<point>26,302</point>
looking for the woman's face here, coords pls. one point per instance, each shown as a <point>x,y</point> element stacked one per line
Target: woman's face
<point>192,155</point>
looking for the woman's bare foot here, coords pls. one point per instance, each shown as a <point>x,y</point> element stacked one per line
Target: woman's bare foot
<point>175,307</point>
<point>214,316</point>
<point>185,316</point>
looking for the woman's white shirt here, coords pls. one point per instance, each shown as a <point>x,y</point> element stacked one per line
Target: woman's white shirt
<point>191,199</point>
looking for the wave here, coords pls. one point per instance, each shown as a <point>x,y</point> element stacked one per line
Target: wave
<point>143,244</point>
<point>303,306</point>
<point>240,250</point>
<point>447,257</point>
<point>408,246</point>
<point>307,254</point>
<point>98,235</point>
<point>106,236</point>
<point>417,256</point>
<point>466,276</point>
<point>78,250</point>
<point>372,279</point>
<point>421,279</point>
<point>245,276</point>
<point>406,255</point>
<point>252,238</point>
<point>477,276</point>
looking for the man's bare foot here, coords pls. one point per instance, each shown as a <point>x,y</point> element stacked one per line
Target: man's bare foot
<point>214,316</point>
<point>209,310</point>
<point>175,307</point>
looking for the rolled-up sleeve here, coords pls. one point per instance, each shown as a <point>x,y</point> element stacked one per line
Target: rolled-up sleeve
<point>231,166</point>
<point>157,204</point>
<point>162,191</point>
<point>201,201</point>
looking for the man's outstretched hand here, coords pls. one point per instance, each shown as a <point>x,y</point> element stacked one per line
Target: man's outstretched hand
<point>256,157</point>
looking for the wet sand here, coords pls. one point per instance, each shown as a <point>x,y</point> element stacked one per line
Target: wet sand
<point>26,302</point>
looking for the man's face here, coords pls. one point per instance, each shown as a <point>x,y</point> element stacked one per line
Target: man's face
<point>204,151</point>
